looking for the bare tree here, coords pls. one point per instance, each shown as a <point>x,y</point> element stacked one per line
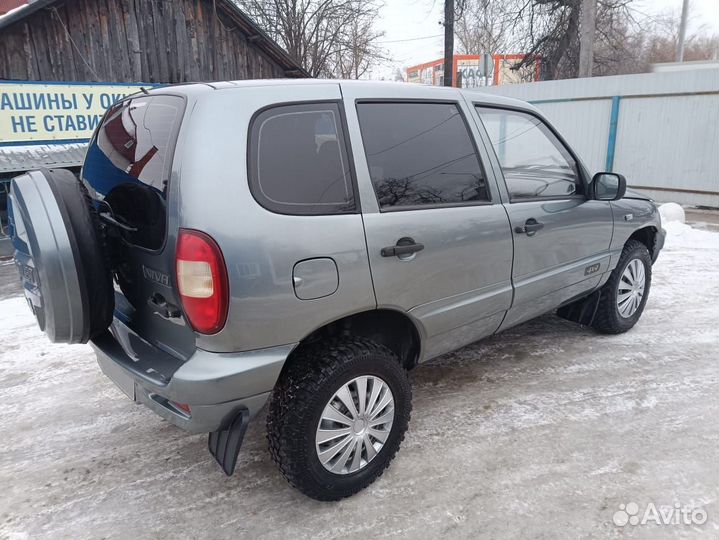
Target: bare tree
<point>488,26</point>
<point>546,30</point>
<point>626,40</point>
<point>660,42</point>
<point>330,38</point>
<point>635,41</point>
<point>552,33</point>
<point>617,43</point>
<point>358,52</point>
<point>553,26</point>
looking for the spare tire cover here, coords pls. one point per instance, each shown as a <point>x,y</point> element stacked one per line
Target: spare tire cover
<point>58,251</point>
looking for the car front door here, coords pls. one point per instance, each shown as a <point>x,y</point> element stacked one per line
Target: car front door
<point>561,238</point>
<point>438,237</point>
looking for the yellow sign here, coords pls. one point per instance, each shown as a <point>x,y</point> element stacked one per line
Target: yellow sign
<point>32,113</point>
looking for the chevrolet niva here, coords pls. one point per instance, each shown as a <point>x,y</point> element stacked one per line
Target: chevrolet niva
<point>306,243</point>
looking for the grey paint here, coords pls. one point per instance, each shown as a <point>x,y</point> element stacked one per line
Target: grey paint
<point>214,385</point>
<point>461,276</point>
<point>474,277</point>
<point>643,214</point>
<point>315,278</point>
<point>457,285</point>
<point>550,265</point>
<point>204,418</point>
<point>261,248</point>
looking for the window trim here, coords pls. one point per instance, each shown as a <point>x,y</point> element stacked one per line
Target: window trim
<point>343,138</point>
<point>581,172</point>
<point>414,207</point>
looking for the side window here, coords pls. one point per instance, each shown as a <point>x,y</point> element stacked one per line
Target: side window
<point>420,154</point>
<point>534,162</point>
<point>298,160</point>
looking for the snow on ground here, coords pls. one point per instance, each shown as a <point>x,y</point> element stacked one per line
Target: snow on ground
<point>681,236</point>
<point>542,431</point>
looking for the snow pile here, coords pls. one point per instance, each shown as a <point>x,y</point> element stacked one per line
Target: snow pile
<point>672,212</point>
<point>681,235</point>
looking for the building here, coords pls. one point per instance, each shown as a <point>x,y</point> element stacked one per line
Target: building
<point>55,52</point>
<point>137,41</point>
<point>470,73</point>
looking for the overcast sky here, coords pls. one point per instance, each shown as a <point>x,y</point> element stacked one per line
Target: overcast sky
<point>405,20</point>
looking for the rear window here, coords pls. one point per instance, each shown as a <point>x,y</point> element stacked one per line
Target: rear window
<point>129,161</point>
<point>298,160</point>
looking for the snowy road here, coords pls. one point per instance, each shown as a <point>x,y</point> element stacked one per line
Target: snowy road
<point>543,431</point>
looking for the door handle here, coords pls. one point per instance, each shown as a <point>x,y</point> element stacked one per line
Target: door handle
<point>404,246</point>
<point>530,228</point>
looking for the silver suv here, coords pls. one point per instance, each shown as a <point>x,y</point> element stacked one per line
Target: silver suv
<point>307,243</point>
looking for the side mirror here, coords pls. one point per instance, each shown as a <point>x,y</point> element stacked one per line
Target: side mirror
<point>606,186</point>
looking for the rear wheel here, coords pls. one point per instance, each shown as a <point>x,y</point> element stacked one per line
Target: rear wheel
<point>625,294</point>
<point>338,416</point>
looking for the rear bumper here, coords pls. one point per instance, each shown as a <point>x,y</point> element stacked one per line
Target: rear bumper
<point>216,386</point>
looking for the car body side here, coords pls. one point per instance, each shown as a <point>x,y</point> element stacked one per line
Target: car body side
<point>209,191</point>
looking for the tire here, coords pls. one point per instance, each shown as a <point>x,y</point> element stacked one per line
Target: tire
<point>92,264</point>
<point>59,251</point>
<point>301,397</point>
<point>609,318</point>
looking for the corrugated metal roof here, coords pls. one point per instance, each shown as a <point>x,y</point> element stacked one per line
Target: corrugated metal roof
<point>26,157</point>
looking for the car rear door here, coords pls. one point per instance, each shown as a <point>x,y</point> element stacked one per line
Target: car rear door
<point>438,238</point>
<point>561,238</point>
<point>131,172</point>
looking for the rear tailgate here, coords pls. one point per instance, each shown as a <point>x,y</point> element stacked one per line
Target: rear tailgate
<point>128,168</point>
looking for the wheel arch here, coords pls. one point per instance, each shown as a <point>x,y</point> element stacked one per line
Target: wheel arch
<point>392,328</point>
<point>646,235</point>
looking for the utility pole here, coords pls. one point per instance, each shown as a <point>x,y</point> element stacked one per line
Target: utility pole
<point>587,26</point>
<point>448,42</point>
<point>682,32</point>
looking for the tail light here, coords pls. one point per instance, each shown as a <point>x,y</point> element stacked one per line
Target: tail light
<point>202,281</point>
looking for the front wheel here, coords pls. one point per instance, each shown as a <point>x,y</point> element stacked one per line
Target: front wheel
<point>338,416</point>
<point>625,294</point>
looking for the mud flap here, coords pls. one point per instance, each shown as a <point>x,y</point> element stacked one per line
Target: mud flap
<point>581,311</point>
<point>224,444</point>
